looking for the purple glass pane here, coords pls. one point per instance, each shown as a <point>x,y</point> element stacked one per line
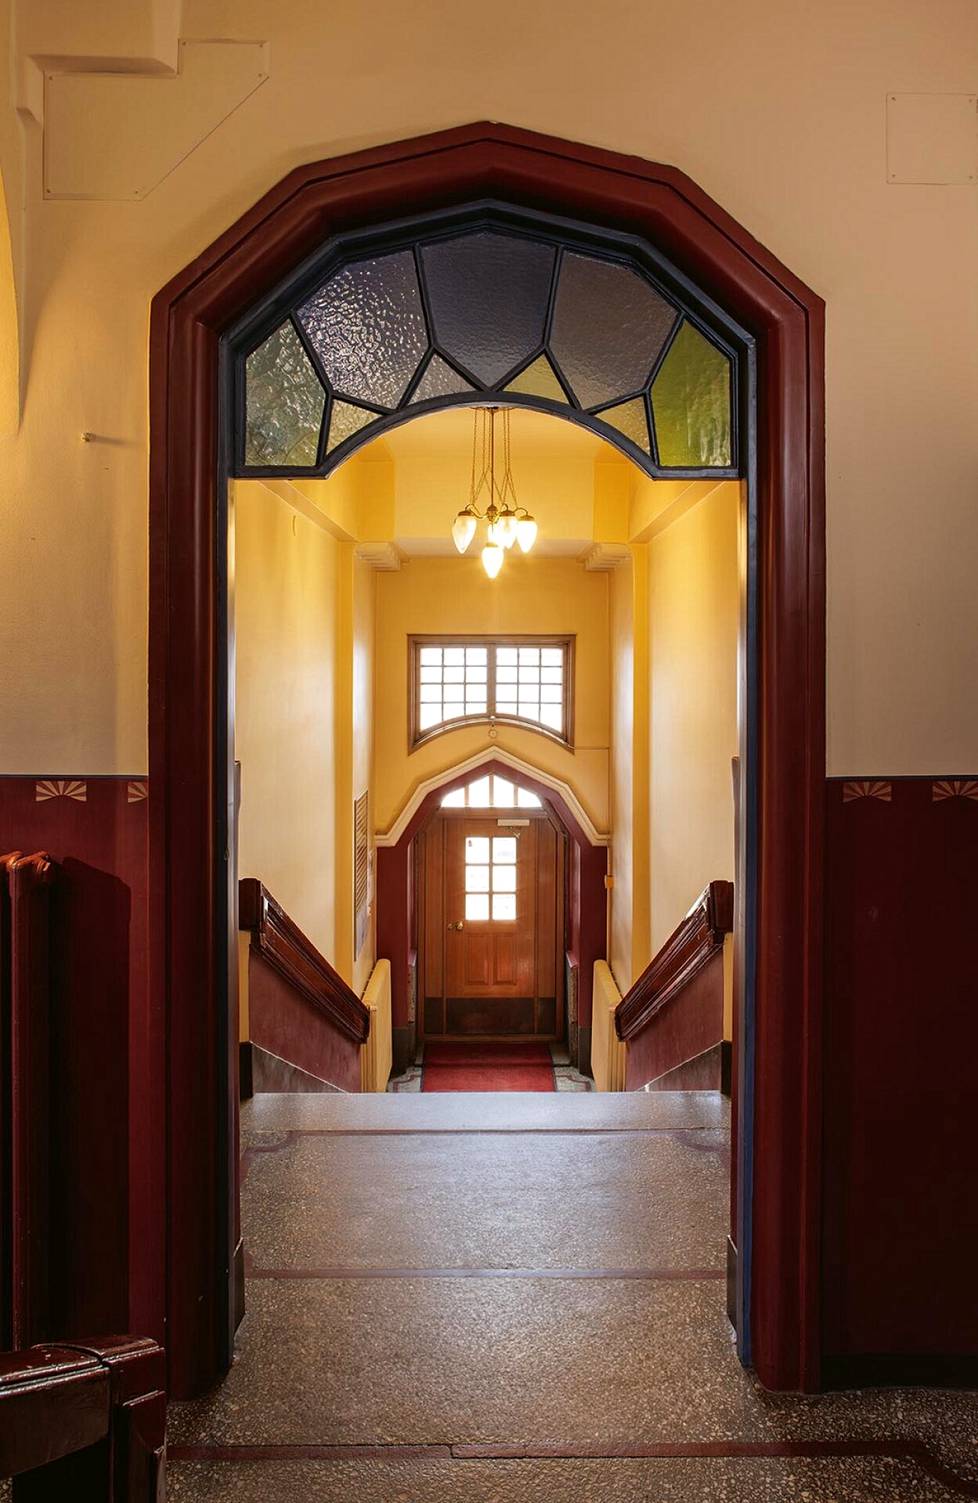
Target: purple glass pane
<point>367,326</point>
<point>488,296</point>
<point>609,326</point>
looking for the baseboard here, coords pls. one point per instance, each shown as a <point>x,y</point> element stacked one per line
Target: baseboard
<point>583,1058</point>
<point>701,1073</point>
<point>726,1067</point>
<point>732,1282</point>
<point>239,1284</point>
<point>269,1073</point>
<point>900,1370</point>
<point>404,1045</point>
<point>246,1087</point>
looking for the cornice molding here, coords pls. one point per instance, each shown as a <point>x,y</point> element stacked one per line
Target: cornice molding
<point>386,558</point>
<point>601,558</point>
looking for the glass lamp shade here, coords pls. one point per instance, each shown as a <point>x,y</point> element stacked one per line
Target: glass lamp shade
<point>506,529</point>
<point>492,559</point>
<point>463,530</point>
<point>526,533</point>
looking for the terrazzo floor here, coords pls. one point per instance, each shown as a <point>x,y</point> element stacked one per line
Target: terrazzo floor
<point>519,1297</point>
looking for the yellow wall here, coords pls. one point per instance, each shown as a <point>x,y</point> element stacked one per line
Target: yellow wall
<point>776,110</point>
<point>304,715</point>
<point>532,594</point>
<point>693,623</point>
<point>285,608</point>
<point>628,945</point>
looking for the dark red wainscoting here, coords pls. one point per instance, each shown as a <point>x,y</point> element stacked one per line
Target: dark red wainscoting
<point>107,1051</point>
<point>901,1066</point>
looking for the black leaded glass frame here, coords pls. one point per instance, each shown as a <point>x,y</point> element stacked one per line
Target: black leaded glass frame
<point>693,311</point>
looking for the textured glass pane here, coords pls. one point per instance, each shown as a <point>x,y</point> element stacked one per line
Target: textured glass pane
<point>488,297</point>
<point>504,906</point>
<point>479,799</point>
<point>629,418</point>
<point>344,421</point>
<point>526,799</point>
<point>504,879</point>
<point>502,793</point>
<point>691,403</point>
<point>454,800</point>
<point>504,849</point>
<point>476,906</point>
<point>477,879</point>
<point>539,380</point>
<point>367,326</point>
<point>477,846</point>
<point>609,326</point>
<point>284,402</point>
<point>439,380</point>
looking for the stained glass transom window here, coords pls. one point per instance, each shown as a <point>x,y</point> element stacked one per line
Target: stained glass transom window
<point>455,318</point>
<point>523,680</point>
<point>491,792</point>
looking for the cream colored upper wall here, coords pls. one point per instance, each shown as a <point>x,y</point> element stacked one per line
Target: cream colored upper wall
<point>693,622</point>
<point>789,137</point>
<point>532,594</point>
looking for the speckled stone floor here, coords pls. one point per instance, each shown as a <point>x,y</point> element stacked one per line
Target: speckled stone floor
<point>519,1297</point>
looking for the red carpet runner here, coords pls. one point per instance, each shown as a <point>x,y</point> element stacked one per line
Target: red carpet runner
<point>487,1067</point>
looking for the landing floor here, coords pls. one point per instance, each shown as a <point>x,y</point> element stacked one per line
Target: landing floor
<point>518,1297</point>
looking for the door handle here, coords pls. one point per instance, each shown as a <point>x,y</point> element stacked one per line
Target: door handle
<point>459,925</point>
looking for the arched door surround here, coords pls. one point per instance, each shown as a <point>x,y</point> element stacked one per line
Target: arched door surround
<point>192,1152</point>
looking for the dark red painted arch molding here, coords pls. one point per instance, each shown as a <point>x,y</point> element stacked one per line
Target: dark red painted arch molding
<point>786,318</point>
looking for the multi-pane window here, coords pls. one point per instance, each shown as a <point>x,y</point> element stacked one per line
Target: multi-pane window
<point>492,792</point>
<point>522,679</point>
<point>490,878</point>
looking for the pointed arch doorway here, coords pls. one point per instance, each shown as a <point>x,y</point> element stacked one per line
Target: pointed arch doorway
<point>189,1150</point>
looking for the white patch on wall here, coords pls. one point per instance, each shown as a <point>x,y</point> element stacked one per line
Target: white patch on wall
<point>932,138</point>
<point>118,135</point>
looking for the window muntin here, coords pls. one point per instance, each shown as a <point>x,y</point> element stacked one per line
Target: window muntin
<point>490,878</point>
<point>527,313</point>
<point>491,792</point>
<point>523,680</point>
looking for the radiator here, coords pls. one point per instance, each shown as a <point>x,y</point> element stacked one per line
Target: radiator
<point>376,1055</point>
<point>607,1050</point>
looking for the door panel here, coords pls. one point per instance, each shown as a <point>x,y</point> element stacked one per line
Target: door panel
<point>493,927</point>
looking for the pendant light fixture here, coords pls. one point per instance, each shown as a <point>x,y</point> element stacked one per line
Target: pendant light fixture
<point>506,521</point>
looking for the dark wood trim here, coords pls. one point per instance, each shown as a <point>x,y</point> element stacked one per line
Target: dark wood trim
<point>282,944</point>
<point>688,949</point>
<point>417,640</point>
<point>246,1079</point>
<point>726,1068</point>
<point>189,782</point>
<point>84,1419</point>
<point>26,1095</point>
<point>901,1370</point>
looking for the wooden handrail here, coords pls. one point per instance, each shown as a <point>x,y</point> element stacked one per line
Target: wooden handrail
<point>687,950</point>
<point>287,950</point>
<point>86,1419</point>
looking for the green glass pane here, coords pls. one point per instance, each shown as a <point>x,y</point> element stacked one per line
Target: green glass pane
<point>439,380</point>
<point>284,403</point>
<point>344,421</point>
<point>539,380</point>
<point>629,418</point>
<point>691,404</point>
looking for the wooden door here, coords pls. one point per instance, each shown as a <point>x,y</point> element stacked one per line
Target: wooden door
<point>493,928</point>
